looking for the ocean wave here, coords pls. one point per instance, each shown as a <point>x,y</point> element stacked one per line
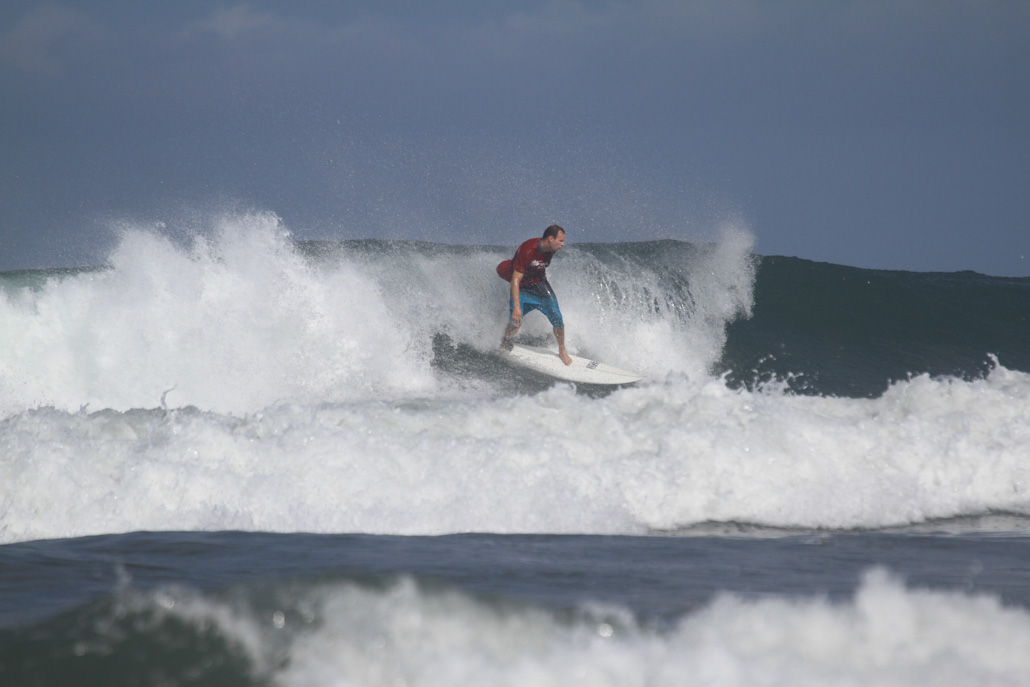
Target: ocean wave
<point>405,633</point>
<point>241,319</point>
<point>240,381</point>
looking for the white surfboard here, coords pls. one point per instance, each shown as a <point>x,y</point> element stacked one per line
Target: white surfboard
<point>581,371</point>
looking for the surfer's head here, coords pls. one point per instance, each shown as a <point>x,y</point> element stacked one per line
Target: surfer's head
<point>553,239</point>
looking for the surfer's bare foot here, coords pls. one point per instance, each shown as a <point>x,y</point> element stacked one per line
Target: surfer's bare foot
<point>506,345</point>
<point>565,357</point>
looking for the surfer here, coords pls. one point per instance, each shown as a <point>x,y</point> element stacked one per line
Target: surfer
<point>529,288</point>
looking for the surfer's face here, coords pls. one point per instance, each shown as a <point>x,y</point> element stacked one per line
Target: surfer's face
<point>553,243</point>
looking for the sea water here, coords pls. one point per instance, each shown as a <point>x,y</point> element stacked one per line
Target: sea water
<point>227,457</point>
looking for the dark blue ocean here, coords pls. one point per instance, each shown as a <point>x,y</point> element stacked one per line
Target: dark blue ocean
<point>237,459</point>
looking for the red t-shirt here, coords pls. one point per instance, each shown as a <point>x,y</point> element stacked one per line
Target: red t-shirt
<point>529,260</point>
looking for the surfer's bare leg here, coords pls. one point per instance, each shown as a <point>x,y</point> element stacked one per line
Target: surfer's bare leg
<point>516,314</point>
<point>560,335</point>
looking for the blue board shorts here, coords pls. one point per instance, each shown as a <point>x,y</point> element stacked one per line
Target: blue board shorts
<point>546,302</point>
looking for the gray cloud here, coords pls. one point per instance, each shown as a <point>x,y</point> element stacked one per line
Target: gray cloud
<point>44,39</point>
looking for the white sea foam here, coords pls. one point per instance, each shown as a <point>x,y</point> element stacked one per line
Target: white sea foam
<point>406,635</point>
<point>659,457</point>
<point>234,323</point>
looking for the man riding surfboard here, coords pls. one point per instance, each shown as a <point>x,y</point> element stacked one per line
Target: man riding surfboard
<point>529,287</point>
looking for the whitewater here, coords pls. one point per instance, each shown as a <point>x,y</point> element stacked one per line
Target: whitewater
<point>234,379</point>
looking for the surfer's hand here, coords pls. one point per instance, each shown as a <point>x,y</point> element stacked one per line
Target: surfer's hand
<point>516,317</point>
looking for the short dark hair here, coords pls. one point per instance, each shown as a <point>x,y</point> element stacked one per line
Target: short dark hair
<point>552,231</point>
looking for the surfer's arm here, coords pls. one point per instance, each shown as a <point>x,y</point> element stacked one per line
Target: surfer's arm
<point>516,312</point>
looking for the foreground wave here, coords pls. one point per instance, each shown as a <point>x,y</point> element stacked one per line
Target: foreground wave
<point>405,633</point>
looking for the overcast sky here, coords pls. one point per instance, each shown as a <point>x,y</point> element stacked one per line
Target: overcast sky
<point>877,134</point>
